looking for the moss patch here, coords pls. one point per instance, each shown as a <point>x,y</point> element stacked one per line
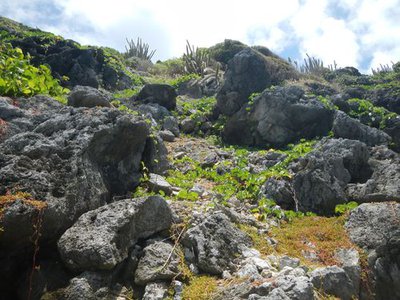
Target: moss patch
<point>319,236</point>
<point>200,288</point>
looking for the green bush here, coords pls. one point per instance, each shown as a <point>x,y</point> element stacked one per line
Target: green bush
<point>171,67</point>
<point>19,78</point>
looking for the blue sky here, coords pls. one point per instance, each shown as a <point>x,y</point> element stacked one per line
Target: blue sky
<point>360,33</point>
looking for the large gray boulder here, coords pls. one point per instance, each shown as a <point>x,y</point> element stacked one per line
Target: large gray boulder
<point>249,72</point>
<point>101,238</point>
<point>334,281</point>
<point>349,128</point>
<point>159,262</point>
<point>375,227</point>
<point>214,243</point>
<point>73,159</point>
<point>277,117</point>
<point>86,96</point>
<point>323,174</point>
<point>383,184</point>
<point>162,94</point>
<point>155,155</point>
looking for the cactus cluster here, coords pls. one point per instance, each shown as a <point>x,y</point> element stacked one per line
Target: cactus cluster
<point>138,49</point>
<point>196,60</point>
<point>312,65</point>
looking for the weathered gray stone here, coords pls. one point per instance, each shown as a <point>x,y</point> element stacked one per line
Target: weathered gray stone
<point>188,125</point>
<point>249,72</point>
<point>167,135</point>
<point>74,159</point>
<point>299,288</point>
<point>159,262</point>
<point>323,174</point>
<point>248,270</point>
<point>86,96</point>
<point>277,117</point>
<point>155,155</point>
<point>383,184</point>
<point>277,294</point>
<point>171,123</point>
<point>334,281</point>
<point>85,286</point>
<point>349,260</point>
<point>280,191</point>
<point>286,261</point>
<point>205,86</point>
<point>101,238</point>
<point>162,94</point>
<point>214,243</point>
<point>153,110</point>
<point>349,128</point>
<point>375,227</point>
<point>155,291</point>
<point>158,183</point>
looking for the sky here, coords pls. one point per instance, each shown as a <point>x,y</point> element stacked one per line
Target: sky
<point>359,33</point>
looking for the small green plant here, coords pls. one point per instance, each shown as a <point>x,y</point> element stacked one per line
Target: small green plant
<point>327,103</point>
<point>122,107</point>
<point>250,104</point>
<point>18,77</point>
<point>138,49</point>
<point>184,194</point>
<point>127,93</point>
<point>341,209</point>
<point>268,208</point>
<point>369,113</point>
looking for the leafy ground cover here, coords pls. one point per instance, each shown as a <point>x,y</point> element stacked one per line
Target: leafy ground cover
<point>18,77</point>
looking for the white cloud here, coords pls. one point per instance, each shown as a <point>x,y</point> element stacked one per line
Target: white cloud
<point>367,33</point>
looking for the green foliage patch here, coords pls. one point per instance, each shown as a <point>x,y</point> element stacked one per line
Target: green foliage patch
<point>341,209</point>
<point>369,113</point>
<point>18,77</point>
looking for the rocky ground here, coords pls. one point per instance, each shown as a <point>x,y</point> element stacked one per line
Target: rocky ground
<point>253,182</point>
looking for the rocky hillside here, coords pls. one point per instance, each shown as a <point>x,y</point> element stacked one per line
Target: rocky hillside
<point>228,173</point>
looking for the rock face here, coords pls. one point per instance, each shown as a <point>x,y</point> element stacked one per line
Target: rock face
<point>162,94</point>
<point>375,227</point>
<point>214,243</point>
<point>101,238</point>
<point>73,159</point>
<point>334,281</point>
<point>281,191</point>
<point>320,181</point>
<point>383,185</point>
<point>346,127</point>
<point>86,96</point>
<point>249,72</point>
<point>338,169</point>
<point>278,117</point>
